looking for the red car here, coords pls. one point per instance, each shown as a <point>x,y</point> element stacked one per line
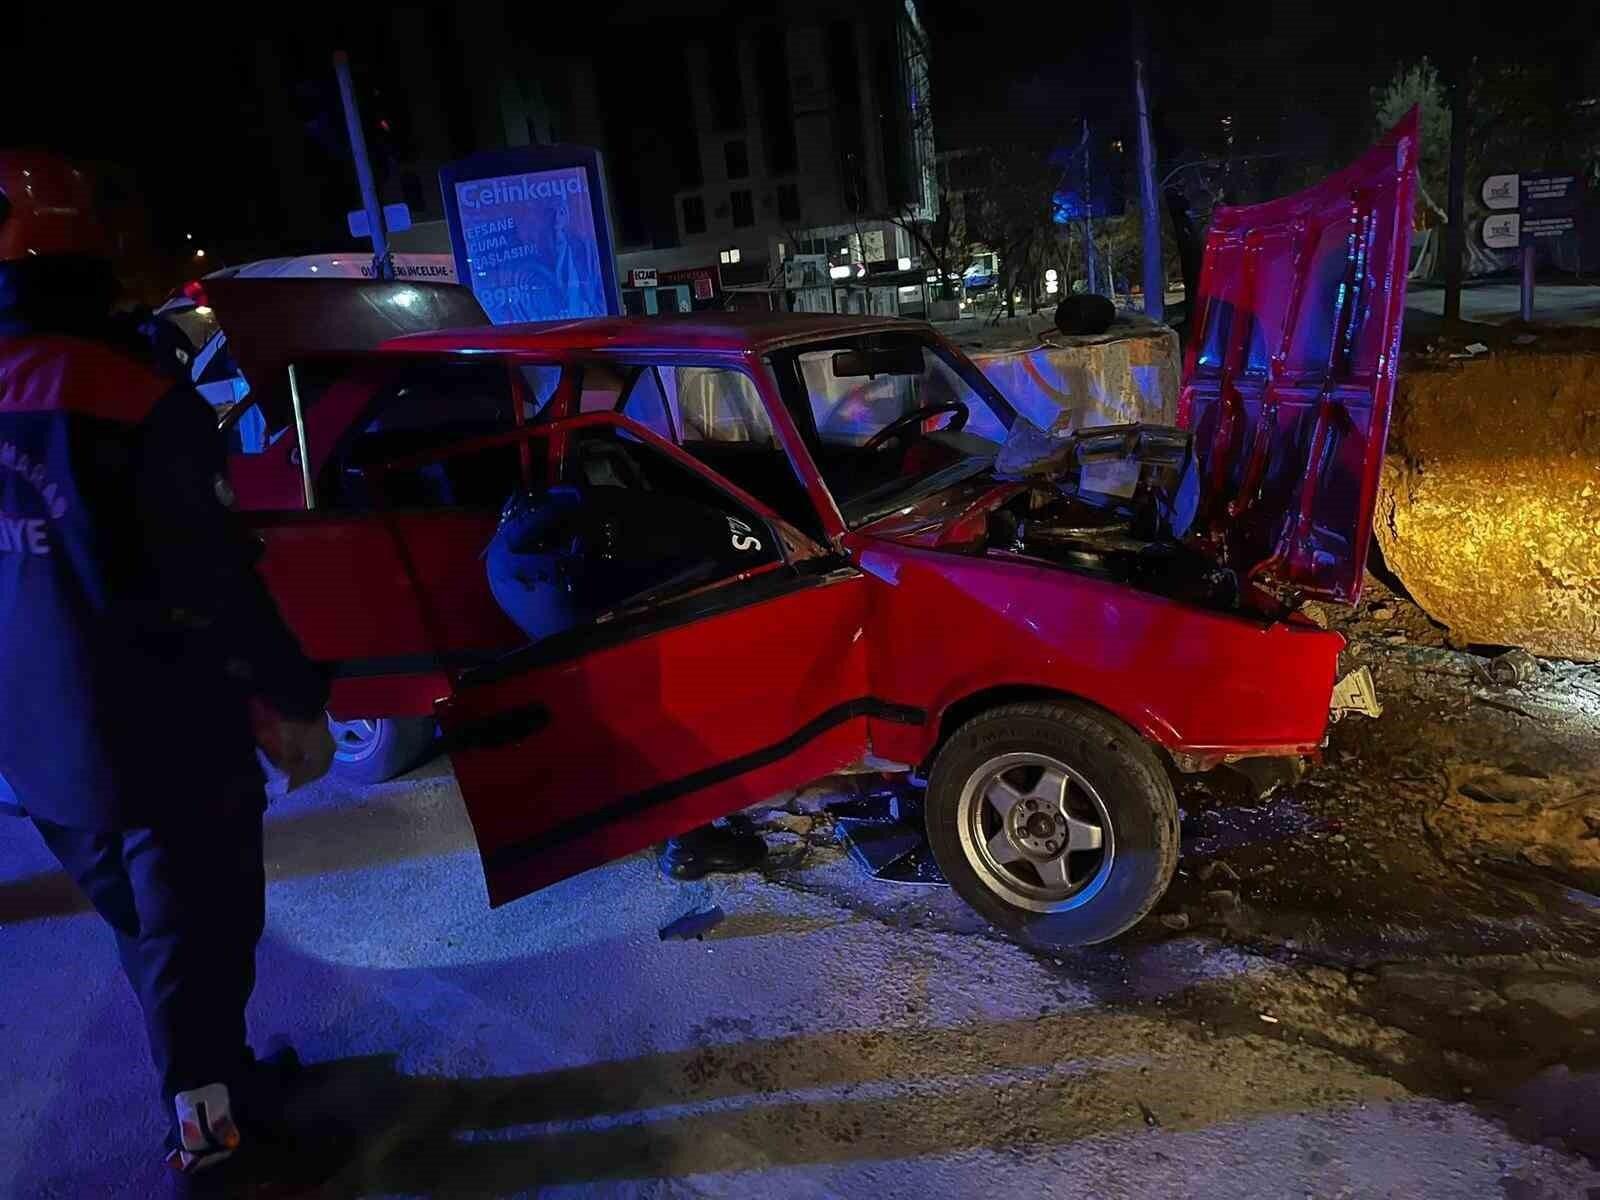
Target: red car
<point>756,550</point>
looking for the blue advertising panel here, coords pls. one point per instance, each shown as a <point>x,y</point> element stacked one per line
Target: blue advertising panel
<point>531,231</point>
<point>1550,203</point>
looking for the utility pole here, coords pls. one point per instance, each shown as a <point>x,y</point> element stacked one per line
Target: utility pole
<point>1455,232</point>
<point>1155,276</point>
<point>1090,264</point>
<point>382,267</point>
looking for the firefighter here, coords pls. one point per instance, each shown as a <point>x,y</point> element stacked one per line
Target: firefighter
<point>142,658</point>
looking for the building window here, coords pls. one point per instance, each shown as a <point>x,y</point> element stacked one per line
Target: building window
<point>677,116</point>
<point>694,215</point>
<point>737,156</point>
<point>777,102</point>
<point>727,93</point>
<point>844,68</point>
<point>744,208</point>
<point>788,202</point>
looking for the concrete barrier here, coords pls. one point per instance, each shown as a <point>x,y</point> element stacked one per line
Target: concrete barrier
<point>1128,373</point>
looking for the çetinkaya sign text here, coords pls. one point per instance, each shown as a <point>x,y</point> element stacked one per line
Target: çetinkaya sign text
<point>531,245</point>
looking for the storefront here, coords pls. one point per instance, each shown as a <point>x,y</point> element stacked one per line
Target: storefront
<point>647,291</point>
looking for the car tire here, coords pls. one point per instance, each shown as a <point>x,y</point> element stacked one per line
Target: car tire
<point>376,749</point>
<point>1023,851</point>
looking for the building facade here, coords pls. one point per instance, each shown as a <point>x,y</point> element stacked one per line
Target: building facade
<point>736,135</point>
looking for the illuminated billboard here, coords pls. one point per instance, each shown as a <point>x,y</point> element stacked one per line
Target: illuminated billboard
<point>531,231</point>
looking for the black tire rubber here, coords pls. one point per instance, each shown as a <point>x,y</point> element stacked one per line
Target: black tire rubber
<point>403,742</point>
<point>1123,768</point>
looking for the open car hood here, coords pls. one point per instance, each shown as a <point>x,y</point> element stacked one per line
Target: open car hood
<point>1290,372</point>
<point>270,323</point>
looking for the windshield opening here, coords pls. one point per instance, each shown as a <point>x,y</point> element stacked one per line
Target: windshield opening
<point>890,419</point>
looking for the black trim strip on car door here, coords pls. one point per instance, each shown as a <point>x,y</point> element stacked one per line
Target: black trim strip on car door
<point>409,664</point>
<point>517,853</point>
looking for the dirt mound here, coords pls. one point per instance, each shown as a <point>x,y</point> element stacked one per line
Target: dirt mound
<point>1489,510</point>
<point>1549,821</point>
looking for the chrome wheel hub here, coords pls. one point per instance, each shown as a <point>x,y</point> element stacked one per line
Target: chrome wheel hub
<point>1036,831</point>
<point>353,740</point>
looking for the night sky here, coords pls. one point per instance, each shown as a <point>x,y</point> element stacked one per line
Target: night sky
<point>161,91</point>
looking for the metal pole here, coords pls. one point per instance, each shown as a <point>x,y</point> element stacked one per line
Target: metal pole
<point>1455,230</point>
<point>1155,276</point>
<point>382,268</point>
<point>300,438</point>
<point>1091,281</point>
<point>1527,283</point>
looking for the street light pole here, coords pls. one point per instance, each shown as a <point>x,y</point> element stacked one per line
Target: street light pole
<point>1455,230</point>
<point>1155,277</point>
<point>382,268</point>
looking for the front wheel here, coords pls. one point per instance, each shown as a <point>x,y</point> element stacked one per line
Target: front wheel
<point>375,749</point>
<point>1054,820</point>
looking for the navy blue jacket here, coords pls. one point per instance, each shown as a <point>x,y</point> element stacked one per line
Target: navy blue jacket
<point>133,625</point>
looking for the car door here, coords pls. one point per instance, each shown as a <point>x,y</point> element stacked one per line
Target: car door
<point>658,716</point>
<point>384,582</point>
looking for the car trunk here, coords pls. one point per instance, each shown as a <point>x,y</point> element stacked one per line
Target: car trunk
<point>270,323</point>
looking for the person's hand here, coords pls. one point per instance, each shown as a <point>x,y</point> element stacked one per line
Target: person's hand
<point>302,750</point>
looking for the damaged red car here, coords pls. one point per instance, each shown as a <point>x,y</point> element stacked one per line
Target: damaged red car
<point>649,571</point>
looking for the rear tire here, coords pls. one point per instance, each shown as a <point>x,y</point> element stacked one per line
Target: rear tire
<point>375,749</point>
<point>1055,821</point>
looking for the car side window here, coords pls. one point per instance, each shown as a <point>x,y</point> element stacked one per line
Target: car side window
<point>718,404</point>
<point>423,407</point>
<point>600,387</point>
<point>723,421</point>
<point>540,381</point>
<point>647,403</point>
<point>629,526</point>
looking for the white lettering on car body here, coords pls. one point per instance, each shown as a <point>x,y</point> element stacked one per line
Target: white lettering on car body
<point>743,538</point>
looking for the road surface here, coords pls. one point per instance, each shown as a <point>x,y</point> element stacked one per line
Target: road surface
<point>1498,302</point>
<point>832,1037</point>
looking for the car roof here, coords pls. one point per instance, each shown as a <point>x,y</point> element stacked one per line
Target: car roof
<point>715,332</point>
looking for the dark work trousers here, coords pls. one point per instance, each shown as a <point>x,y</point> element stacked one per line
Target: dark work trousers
<point>187,903</point>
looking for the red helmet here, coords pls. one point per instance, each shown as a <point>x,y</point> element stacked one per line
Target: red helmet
<point>47,207</point>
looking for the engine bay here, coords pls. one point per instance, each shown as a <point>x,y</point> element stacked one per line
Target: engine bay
<point>1117,502</point>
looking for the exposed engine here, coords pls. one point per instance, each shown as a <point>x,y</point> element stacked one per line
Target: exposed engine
<point>1114,501</point>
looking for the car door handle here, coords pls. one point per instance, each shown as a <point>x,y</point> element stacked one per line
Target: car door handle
<point>499,729</point>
